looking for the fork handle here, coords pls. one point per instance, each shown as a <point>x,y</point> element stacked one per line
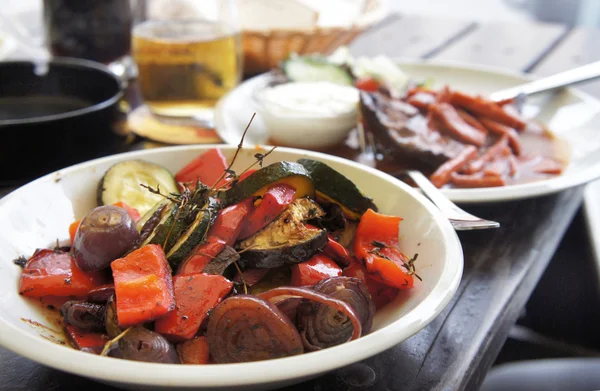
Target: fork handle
<point>448,208</point>
<point>562,79</point>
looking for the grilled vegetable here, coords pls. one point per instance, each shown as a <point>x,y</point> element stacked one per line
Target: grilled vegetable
<point>106,233</point>
<point>246,328</point>
<point>286,240</point>
<point>122,183</point>
<point>315,68</point>
<point>83,315</point>
<point>257,184</point>
<point>194,234</point>
<point>141,344</point>
<point>333,187</point>
<point>322,326</point>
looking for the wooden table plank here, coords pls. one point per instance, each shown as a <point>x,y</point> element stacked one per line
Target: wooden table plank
<point>409,36</point>
<point>575,50</point>
<point>511,46</point>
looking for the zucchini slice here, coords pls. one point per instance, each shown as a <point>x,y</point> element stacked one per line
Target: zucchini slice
<point>316,68</point>
<point>194,234</point>
<point>122,181</point>
<point>161,216</point>
<point>285,241</point>
<point>333,187</point>
<point>258,183</point>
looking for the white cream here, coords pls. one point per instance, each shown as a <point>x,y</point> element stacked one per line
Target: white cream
<point>313,115</point>
<point>314,99</point>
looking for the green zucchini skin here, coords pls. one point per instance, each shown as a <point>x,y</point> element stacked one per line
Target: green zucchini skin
<point>337,187</point>
<point>314,69</point>
<point>282,172</point>
<point>121,182</point>
<point>194,233</point>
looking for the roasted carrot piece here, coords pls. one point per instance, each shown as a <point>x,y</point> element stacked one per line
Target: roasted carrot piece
<point>444,95</point>
<point>548,166</point>
<point>486,108</point>
<point>194,351</point>
<point>441,176</point>
<point>73,229</point>
<point>514,165</point>
<point>417,90</point>
<point>499,167</point>
<point>195,295</point>
<point>498,128</point>
<point>489,155</point>
<point>421,100</point>
<point>455,126</point>
<point>55,273</point>
<point>143,286</point>
<point>474,122</point>
<point>476,180</point>
<point>84,340</point>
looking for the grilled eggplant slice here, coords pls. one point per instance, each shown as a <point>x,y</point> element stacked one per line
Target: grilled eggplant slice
<point>287,240</point>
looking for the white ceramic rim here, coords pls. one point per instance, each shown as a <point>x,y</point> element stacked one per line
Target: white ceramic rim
<point>504,193</point>
<point>262,372</point>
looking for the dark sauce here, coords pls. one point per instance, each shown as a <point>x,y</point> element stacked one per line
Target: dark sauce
<point>536,142</point>
<point>15,108</point>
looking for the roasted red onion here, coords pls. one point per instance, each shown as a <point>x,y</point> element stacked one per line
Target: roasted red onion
<point>84,315</point>
<point>141,344</point>
<point>323,319</point>
<point>246,328</point>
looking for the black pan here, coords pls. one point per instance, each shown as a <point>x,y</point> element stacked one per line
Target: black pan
<point>64,116</point>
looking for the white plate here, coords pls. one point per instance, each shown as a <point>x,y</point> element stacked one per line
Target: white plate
<point>38,213</point>
<point>572,115</point>
<point>7,45</point>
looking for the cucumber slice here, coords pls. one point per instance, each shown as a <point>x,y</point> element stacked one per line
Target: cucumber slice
<point>121,182</point>
<point>315,68</point>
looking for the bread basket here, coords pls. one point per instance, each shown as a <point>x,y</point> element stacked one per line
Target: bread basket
<point>264,50</point>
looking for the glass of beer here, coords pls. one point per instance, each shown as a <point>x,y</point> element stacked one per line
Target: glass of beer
<point>188,56</point>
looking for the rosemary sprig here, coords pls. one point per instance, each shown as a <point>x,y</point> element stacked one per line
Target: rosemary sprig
<point>110,343</point>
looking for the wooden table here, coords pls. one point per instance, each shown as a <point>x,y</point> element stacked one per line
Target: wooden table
<point>502,267</point>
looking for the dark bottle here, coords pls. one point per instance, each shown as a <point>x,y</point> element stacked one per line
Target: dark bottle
<point>98,30</point>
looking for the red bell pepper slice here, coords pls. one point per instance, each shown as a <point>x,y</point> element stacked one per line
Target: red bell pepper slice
<point>367,84</point>
<point>85,340</point>
<point>314,270</point>
<point>250,276</point>
<point>195,295</point>
<point>143,286</point>
<point>133,212</point>
<point>337,252</point>
<point>207,168</point>
<point>228,224</point>
<point>375,244</point>
<point>202,255</point>
<point>381,293</point>
<point>273,203</point>
<point>194,351</point>
<point>55,273</point>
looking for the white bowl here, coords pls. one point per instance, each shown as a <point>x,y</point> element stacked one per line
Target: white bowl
<point>292,125</point>
<point>38,213</point>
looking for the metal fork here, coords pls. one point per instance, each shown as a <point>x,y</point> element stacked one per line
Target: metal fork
<point>460,220</point>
